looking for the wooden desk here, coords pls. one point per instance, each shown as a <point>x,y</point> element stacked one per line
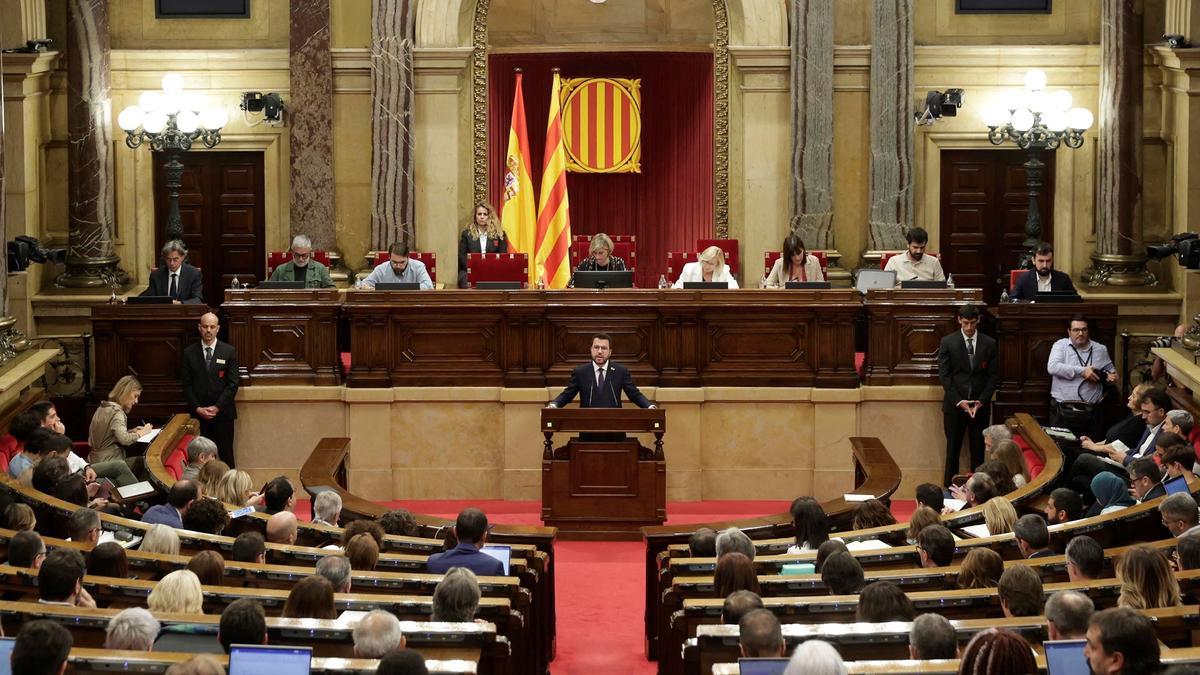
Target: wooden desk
<point>285,336</point>
<point>904,329</point>
<point>674,338</point>
<point>146,341</point>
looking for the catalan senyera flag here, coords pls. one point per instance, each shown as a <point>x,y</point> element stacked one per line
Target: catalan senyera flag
<point>554,219</point>
<point>602,124</point>
<point>517,205</point>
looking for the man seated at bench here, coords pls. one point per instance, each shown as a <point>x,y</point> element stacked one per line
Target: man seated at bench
<point>242,623</point>
<point>1067,615</point>
<point>60,580</point>
<point>703,543</point>
<point>134,629</point>
<point>377,635</point>
<point>1145,480</point>
<point>26,549</point>
<point>249,547</point>
<point>456,597</point>
<point>1119,640</point>
<point>327,508</point>
<point>83,526</point>
<point>471,529</point>
<point>842,574</point>
<point>1033,538</point>
<point>1085,559</point>
<point>760,636</point>
<point>41,648</point>
<point>180,498</point>
<point>1063,506</point>
<point>1179,514</point>
<point>200,451</point>
<point>282,528</point>
<point>739,604</point>
<point>935,546</point>
<point>402,662</point>
<point>932,637</point>
<point>336,568</point>
<point>279,495</point>
<point>1020,591</point>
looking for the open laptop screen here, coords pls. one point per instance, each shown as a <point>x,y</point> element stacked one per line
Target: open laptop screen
<point>772,666</point>
<point>6,648</point>
<point>501,553</point>
<point>1176,484</point>
<point>1065,657</point>
<point>260,659</point>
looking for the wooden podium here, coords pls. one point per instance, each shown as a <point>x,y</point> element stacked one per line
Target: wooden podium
<point>603,490</point>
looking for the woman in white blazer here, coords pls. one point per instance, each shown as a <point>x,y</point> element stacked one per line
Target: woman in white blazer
<point>795,264</point>
<point>710,267</point>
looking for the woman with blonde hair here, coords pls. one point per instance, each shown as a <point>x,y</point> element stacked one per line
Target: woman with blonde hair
<point>482,235</point>
<point>160,539</point>
<point>600,257</point>
<point>1146,579</point>
<point>709,266</point>
<point>210,475</point>
<point>980,569</point>
<point>109,435</point>
<point>921,518</point>
<point>999,515</point>
<point>179,593</point>
<point>236,487</point>
<point>20,517</point>
<point>1009,454</point>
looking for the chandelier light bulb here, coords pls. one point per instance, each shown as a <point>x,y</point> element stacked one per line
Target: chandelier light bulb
<point>1061,100</point>
<point>1035,80</point>
<point>170,104</point>
<point>996,115</point>
<point>172,83</point>
<point>1080,119</point>
<point>1056,121</point>
<point>1022,120</point>
<point>214,119</point>
<point>195,101</point>
<point>148,101</point>
<point>186,121</point>
<point>130,118</point>
<point>1037,103</point>
<point>155,122</point>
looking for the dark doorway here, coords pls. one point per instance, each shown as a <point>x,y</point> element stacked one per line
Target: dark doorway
<point>984,204</point>
<point>221,204</point>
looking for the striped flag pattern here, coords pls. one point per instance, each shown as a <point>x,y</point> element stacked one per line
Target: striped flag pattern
<point>602,125</point>
<point>518,202</point>
<point>554,219</point>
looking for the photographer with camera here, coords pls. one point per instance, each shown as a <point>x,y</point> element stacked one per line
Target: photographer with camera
<point>1079,369</point>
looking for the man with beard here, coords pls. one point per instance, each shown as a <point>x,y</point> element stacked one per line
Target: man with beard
<point>913,264</point>
<point>1043,277</point>
<point>302,266</point>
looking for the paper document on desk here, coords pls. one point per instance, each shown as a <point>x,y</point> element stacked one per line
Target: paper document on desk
<point>149,436</point>
<point>954,504</point>
<point>980,530</point>
<point>851,497</point>
<point>107,536</point>
<point>866,545</point>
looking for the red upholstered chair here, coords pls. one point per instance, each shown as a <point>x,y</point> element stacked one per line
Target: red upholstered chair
<point>1013,275</point>
<point>729,246</point>
<point>175,464</point>
<point>277,258</point>
<point>430,260</point>
<point>624,247</point>
<point>675,262</point>
<point>497,267</point>
<point>888,256</point>
<point>770,257</point>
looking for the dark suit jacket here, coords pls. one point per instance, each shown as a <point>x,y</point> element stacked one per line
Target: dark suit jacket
<point>470,244</point>
<point>465,555</point>
<point>1155,492</point>
<point>962,381</point>
<point>211,385</point>
<point>583,382</point>
<point>1044,553</point>
<point>191,284</point>
<point>1129,456</point>
<point>1026,286</point>
<point>163,514</point>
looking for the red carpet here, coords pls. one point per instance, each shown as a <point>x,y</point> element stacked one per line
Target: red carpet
<point>600,594</point>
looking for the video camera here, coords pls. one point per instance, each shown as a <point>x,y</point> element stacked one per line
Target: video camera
<point>1185,247</point>
<point>24,251</point>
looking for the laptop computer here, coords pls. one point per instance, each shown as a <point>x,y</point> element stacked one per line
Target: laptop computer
<point>1065,657</point>
<point>869,277</point>
<point>148,300</point>
<point>6,648</point>
<point>1057,296</point>
<point>259,659</point>
<point>281,285</point>
<point>1176,484</point>
<point>923,283</point>
<point>808,284</point>
<point>501,553</point>
<point>706,285</point>
<point>498,285</point>
<point>398,286</point>
<point>770,666</point>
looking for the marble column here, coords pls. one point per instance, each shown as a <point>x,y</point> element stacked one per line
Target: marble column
<point>892,107</point>
<point>1120,258</point>
<point>11,340</point>
<point>812,122</point>
<point>91,261</point>
<point>393,193</point>
<point>310,137</point>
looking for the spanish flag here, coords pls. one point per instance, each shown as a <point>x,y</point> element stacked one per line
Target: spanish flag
<point>516,207</point>
<point>554,220</point>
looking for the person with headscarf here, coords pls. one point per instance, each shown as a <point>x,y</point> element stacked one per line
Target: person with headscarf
<point>1112,494</point>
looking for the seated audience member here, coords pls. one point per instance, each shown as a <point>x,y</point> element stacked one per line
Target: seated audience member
<point>600,258</point>
<point>200,664</point>
<point>1154,405</point>
<point>992,435</point>
<point>738,604</point>
<point>210,475</point>
<point>811,525</point>
<point>179,592</point>
<point>1033,538</point>
<point>932,637</point>
<point>825,550</point>
<point>377,634</point>
<point>1145,480</point>
<point>249,547</point>
<point>471,529</point>
<point>815,657</point>
<point>1186,555</point>
<point>336,568</point>
<point>60,579</point>
<point>1177,460</point>
<point>999,515</point>
<point>108,560</point>
<point>363,553</point>
<point>327,508</point>
<point>978,489</point>
<point>206,515</point>
<point>884,601</point>
<point>1043,277</point>
<point>703,543</point>
<point>735,572</point>
<point>237,488</point>
<point>41,648</point>
<point>1146,579</point>
<point>1128,430</point>
<point>1179,514</point>
<point>399,522</point>
<point>19,517</point>
<point>931,495</point>
<point>921,518</point>
<point>399,268</point>
<point>134,629</point>
<point>311,598</point>
<point>1085,558</point>
<point>48,473</point>
<point>935,546</point>
<point>303,266</point>
<point>242,623</point>
<point>83,526</point>
<point>1020,591</point>
<point>872,513</point>
<point>1067,614</point>
<point>456,597</point>
<point>709,266</point>
<point>160,539</point>
<point>279,495</point>
<point>357,527</point>
<point>997,651</point>
<point>842,574</point>
<point>1112,494</point>
<point>209,568</point>
<point>73,489</point>
<point>282,528</point>
<point>981,568</point>
<point>402,662</point>
<point>200,451</point>
<point>1009,454</point>
<point>1120,640</point>
<point>760,635</point>
<point>26,549</point>
<point>733,539</point>
<point>1179,422</point>
<point>793,264</point>
<point>914,264</point>
<point>999,474</point>
<point>37,448</point>
<point>179,498</point>
<point>108,434</point>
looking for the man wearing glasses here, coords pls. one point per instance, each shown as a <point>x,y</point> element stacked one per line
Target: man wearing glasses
<point>1079,368</point>
<point>302,267</point>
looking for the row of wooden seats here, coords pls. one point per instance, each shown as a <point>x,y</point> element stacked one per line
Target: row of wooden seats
<point>85,661</point>
<point>475,642</point>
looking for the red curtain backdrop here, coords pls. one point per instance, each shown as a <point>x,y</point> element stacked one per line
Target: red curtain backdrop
<point>670,204</point>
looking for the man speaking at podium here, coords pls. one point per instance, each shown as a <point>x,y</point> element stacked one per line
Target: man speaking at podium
<point>601,382</point>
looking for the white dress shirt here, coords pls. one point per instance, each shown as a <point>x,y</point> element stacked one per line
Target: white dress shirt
<point>928,268</point>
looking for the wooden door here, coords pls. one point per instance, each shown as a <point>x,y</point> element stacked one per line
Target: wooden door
<point>221,204</point>
<point>984,204</point>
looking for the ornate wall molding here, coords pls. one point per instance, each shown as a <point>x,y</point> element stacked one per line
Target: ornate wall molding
<point>479,73</point>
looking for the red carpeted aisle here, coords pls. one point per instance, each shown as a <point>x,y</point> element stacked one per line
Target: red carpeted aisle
<point>600,594</point>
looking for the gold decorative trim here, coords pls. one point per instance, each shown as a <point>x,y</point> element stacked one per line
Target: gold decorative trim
<point>479,75</point>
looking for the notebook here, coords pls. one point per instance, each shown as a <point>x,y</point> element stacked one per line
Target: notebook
<point>259,659</point>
